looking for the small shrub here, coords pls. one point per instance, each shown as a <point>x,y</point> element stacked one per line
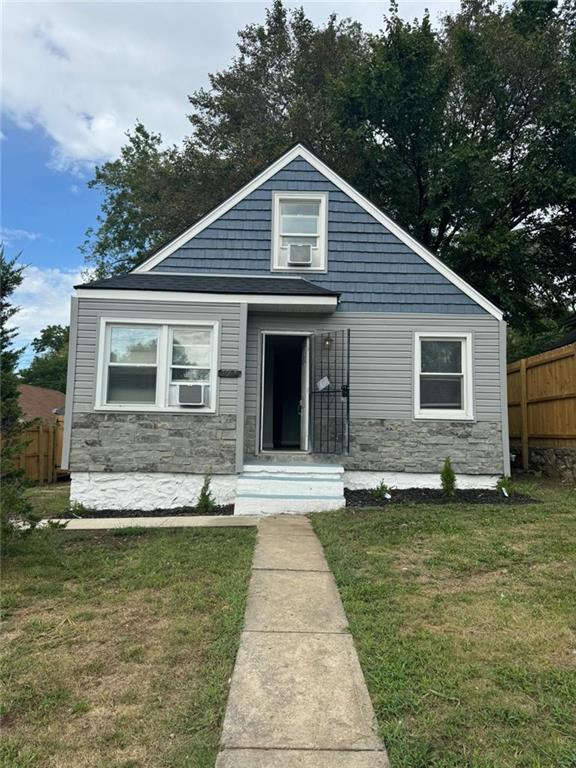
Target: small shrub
<point>504,485</point>
<point>448,478</point>
<point>78,509</point>
<point>205,504</point>
<point>382,491</point>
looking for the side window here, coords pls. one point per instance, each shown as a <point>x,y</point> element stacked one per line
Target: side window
<point>132,364</point>
<point>299,232</point>
<point>443,376</point>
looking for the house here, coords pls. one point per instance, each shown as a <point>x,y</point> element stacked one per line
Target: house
<point>40,403</point>
<point>292,342</point>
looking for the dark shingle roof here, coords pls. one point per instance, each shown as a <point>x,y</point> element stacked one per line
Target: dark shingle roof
<point>568,338</point>
<point>267,286</point>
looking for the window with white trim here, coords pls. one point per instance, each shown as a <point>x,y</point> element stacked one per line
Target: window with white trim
<point>443,376</point>
<point>144,366</point>
<point>299,231</point>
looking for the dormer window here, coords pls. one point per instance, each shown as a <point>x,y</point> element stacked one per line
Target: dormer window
<point>299,232</point>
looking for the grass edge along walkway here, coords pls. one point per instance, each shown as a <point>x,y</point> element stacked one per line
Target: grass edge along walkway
<point>464,622</point>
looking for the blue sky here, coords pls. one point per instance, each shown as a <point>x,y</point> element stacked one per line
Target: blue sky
<point>77,76</point>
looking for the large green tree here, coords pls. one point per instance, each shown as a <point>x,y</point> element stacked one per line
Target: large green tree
<point>50,364</point>
<point>276,92</point>
<point>463,132</point>
<point>13,502</point>
<point>472,129</point>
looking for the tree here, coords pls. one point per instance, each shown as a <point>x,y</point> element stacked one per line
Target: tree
<point>471,127</point>
<point>463,133</point>
<point>50,364</point>
<point>275,93</point>
<point>13,502</point>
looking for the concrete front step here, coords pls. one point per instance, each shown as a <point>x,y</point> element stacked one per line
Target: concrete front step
<point>289,488</point>
<point>293,469</point>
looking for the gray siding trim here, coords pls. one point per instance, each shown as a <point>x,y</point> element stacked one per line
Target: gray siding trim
<point>382,360</point>
<point>243,328</point>
<point>90,311</point>
<point>70,382</point>
<point>504,399</point>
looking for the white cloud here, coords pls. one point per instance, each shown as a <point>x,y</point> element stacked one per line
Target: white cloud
<point>84,72</point>
<point>10,236</point>
<point>44,299</point>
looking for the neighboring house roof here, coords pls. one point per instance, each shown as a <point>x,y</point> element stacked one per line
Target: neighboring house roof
<point>300,151</point>
<point>39,402</point>
<point>253,286</point>
<point>568,338</point>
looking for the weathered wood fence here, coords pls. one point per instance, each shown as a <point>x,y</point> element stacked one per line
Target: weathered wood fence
<point>542,401</point>
<point>42,455</point>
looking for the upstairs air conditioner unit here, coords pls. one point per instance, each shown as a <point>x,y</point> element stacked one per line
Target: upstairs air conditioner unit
<point>300,255</point>
<point>191,395</point>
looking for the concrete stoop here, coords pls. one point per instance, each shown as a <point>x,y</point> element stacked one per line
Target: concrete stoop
<point>268,489</point>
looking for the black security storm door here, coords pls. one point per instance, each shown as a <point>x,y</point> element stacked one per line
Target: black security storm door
<point>330,392</point>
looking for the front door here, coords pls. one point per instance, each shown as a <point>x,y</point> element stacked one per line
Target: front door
<point>284,414</point>
<point>330,392</point>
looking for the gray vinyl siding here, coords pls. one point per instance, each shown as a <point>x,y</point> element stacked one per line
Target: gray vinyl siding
<point>382,359</point>
<point>371,267</point>
<point>91,310</point>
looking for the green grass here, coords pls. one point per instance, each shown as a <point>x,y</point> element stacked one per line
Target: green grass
<point>50,500</point>
<point>118,646</point>
<point>464,620</point>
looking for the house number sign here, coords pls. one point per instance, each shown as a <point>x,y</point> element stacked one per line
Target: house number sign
<point>229,373</point>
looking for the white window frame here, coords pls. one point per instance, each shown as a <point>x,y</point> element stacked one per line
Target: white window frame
<point>317,197</point>
<point>466,413</point>
<point>164,365</point>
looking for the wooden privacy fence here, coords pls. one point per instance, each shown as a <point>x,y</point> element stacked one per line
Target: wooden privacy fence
<point>542,400</point>
<point>42,455</point>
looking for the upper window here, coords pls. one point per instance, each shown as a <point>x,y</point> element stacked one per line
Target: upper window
<point>157,366</point>
<point>443,385</point>
<point>299,232</point>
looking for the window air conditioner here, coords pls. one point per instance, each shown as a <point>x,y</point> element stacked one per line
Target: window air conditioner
<point>191,395</point>
<point>299,255</point>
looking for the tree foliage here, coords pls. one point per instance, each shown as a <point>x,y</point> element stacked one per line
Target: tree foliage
<point>13,502</point>
<point>463,132</point>
<point>50,364</point>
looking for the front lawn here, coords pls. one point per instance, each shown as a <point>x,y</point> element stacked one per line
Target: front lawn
<point>464,620</point>
<point>50,500</point>
<point>118,646</point>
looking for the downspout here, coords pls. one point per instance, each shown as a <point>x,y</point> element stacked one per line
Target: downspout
<point>504,398</point>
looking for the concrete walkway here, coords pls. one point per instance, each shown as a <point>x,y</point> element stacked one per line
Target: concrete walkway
<point>182,521</point>
<point>297,697</point>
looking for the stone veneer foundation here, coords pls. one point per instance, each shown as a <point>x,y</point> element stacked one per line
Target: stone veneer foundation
<point>386,445</point>
<point>153,443</point>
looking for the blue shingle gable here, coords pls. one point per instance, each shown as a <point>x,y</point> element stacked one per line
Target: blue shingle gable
<point>367,264</point>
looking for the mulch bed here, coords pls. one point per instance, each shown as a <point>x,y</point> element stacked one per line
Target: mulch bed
<point>226,509</point>
<point>367,498</point>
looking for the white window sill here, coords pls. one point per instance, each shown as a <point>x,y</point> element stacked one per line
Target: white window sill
<point>300,270</point>
<point>443,416</point>
<point>152,409</point>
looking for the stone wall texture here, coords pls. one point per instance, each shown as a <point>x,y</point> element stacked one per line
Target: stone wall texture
<point>475,448</point>
<point>402,445</point>
<point>554,462</point>
<point>139,490</point>
<point>153,442</point>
